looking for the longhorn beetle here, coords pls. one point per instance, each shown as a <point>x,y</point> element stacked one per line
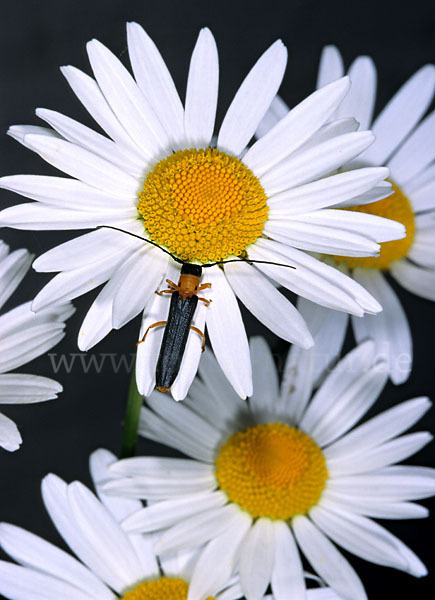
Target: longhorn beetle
<point>184,300</point>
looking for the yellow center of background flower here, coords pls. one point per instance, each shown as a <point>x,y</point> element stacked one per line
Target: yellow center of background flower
<point>272,470</point>
<point>398,208</point>
<point>165,588</point>
<point>203,205</point>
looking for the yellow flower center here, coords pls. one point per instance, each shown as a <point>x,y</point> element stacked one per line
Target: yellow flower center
<point>165,588</point>
<point>272,470</point>
<point>398,208</point>
<point>203,205</point>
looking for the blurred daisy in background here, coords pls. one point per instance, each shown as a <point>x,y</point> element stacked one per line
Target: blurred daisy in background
<point>23,337</point>
<point>405,143</point>
<point>282,471</point>
<point>112,564</point>
<point>157,176</point>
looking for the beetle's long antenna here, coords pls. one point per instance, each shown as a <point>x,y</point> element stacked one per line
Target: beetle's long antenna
<point>139,237</point>
<point>249,261</point>
<point>182,262</point>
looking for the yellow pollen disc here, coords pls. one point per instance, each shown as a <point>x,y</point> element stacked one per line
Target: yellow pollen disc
<point>398,208</point>
<point>203,205</point>
<point>272,470</point>
<point>165,588</point>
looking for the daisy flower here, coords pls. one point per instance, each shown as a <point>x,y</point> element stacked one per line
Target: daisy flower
<point>404,143</point>
<point>281,471</point>
<point>23,337</point>
<point>112,564</point>
<point>159,176</point>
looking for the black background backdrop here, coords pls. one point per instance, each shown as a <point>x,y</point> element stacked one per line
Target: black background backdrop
<point>36,38</point>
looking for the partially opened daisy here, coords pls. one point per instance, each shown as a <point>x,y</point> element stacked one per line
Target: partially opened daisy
<point>23,337</point>
<point>281,471</point>
<point>158,176</point>
<point>405,142</point>
<point>111,563</point>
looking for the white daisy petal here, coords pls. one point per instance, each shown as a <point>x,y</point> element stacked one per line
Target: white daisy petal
<point>287,575</point>
<point>318,238</point>
<point>379,192</point>
<point>83,136</point>
<point>84,165</point>
<point>19,583</point>
<point>32,551</point>
<point>326,192</point>
<point>257,558</point>
<point>265,381</point>
<point>105,535</point>
<point>39,217</point>
<point>55,496</point>
<point>19,133</point>
<point>422,250</point>
<point>215,565</point>
<point>394,483</point>
<point>423,198</point>
<point>277,110</point>
<point>63,193</point>
<point>76,282</point>
<point>315,162</point>
<point>197,530</point>
<point>243,115</point>
<point>88,248</point>
<point>329,329</point>
<point>136,280</point>
<point>167,512</point>
<point>216,400</point>
<point>297,383</point>
<point>296,127</point>
<point>155,82</point>
<point>331,66</point>
<point>344,379</point>
<point>185,420</point>
<point>349,407</point>
<point>365,538</point>
<point>376,507</point>
<point>389,330</point>
<point>157,429</point>
<point>258,295</point>
<point>327,561</point>
<point>360,101</point>
<point>10,438</point>
<point>23,346</point>
<point>202,91</point>
<point>227,334</point>
<point>380,456</point>
<point>401,115</point>
<point>90,95</point>
<point>372,227</point>
<point>18,388</point>
<point>127,101</point>
<point>13,268</point>
<point>414,279</point>
<point>379,429</point>
<point>416,153</point>
<point>310,278</point>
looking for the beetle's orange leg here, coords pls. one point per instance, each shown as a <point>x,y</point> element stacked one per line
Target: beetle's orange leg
<point>206,301</point>
<point>204,286</point>
<point>157,324</point>
<point>173,288</point>
<point>199,332</point>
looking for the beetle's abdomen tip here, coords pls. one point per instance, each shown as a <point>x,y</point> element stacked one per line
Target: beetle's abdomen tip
<point>163,389</point>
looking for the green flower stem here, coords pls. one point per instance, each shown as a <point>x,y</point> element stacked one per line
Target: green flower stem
<point>131,422</point>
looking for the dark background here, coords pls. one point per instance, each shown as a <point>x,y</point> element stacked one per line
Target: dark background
<point>36,38</point>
